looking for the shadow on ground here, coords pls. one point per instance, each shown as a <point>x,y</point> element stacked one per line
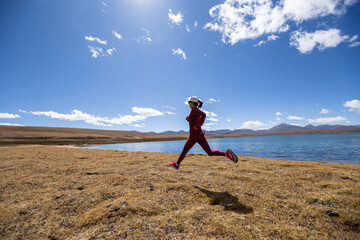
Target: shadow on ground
<point>228,201</point>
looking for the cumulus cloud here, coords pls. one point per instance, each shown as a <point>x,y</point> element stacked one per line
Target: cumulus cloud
<point>252,124</point>
<point>92,39</point>
<point>208,126</point>
<point>239,20</point>
<point>337,119</point>
<point>176,19</point>
<point>11,124</point>
<point>187,28</point>
<point>110,50</point>
<point>354,44</point>
<point>211,116</point>
<point>195,24</point>
<point>138,125</point>
<point>117,35</point>
<point>96,52</point>
<point>77,115</point>
<point>148,112</point>
<point>145,38</point>
<point>269,38</point>
<point>305,42</point>
<point>170,107</point>
<point>229,119</point>
<point>354,105</point>
<point>170,113</point>
<point>295,118</point>
<point>212,100</point>
<point>278,114</point>
<point>9,115</point>
<point>179,52</point>
<point>103,3</point>
<point>325,111</point>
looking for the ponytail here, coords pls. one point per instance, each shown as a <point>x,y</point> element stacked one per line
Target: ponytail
<point>200,103</point>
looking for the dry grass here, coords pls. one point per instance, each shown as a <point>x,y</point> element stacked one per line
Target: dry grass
<point>67,193</point>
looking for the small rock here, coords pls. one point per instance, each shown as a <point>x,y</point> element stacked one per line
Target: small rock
<point>125,204</point>
<point>332,213</point>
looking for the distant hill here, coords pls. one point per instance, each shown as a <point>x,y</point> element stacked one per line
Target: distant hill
<point>281,129</point>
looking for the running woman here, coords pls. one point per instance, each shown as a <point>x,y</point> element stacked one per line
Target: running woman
<point>196,135</point>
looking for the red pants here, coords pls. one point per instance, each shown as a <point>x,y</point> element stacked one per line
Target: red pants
<point>203,143</point>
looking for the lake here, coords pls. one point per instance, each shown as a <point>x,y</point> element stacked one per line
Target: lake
<point>333,148</point>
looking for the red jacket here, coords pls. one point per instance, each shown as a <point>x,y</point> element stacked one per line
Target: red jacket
<point>196,119</point>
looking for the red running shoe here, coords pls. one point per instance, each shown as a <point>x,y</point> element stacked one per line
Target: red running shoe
<point>231,155</point>
<point>174,165</point>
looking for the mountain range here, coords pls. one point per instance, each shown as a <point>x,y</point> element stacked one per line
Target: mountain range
<point>280,129</point>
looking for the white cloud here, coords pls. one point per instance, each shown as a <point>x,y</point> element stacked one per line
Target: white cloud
<point>148,112</point>
<point>354,105</point>
<point>170,107</point>
<point>305,42</point>
<point>354,44</point>
<point>77,115</point>
<point>278,119</point>
<point>103,3</point>
<point>96,52</point>
<point>278,114</point>
<point>210,114</point>
<point>170,113</point>
<point>252,124</point>
<point>272,37</point>
<point>138,125</point>
<point>212,100</point>
<point>195,24</point>
<point>9,115</point>
<point>23,111</point>
<point>229,119</point>
<point>295,118</point>
<point>207,126</point>
<point>179,52</point>
<point>11,124</point>
<point>325,111</point>
<point>353,38</point>
<point>145,38</point>
<point>187,28</point>
<point>238,20</point>
<point>269,38</point>
<point>92,39</point>
<point>337,119</point>
<point>110,50</point>
<point>177,19</point>
<point>117,35</point>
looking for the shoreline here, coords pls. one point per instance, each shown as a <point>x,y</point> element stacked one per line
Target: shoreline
<point>10,135</point>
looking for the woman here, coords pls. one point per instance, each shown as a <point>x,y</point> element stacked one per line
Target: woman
<point>196,135</point>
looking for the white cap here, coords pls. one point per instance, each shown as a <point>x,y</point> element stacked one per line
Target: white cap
<point>193,99</point>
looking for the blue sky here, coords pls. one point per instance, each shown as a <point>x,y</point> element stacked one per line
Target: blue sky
<point>131,64</point>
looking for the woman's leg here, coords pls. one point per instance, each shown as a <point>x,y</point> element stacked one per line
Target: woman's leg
<point>188,145</point>
<point>205,145</point>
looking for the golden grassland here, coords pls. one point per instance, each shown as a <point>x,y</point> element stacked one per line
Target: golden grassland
<point>49,192</point>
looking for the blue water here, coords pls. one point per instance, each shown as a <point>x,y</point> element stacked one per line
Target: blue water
<point>334,148</point>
